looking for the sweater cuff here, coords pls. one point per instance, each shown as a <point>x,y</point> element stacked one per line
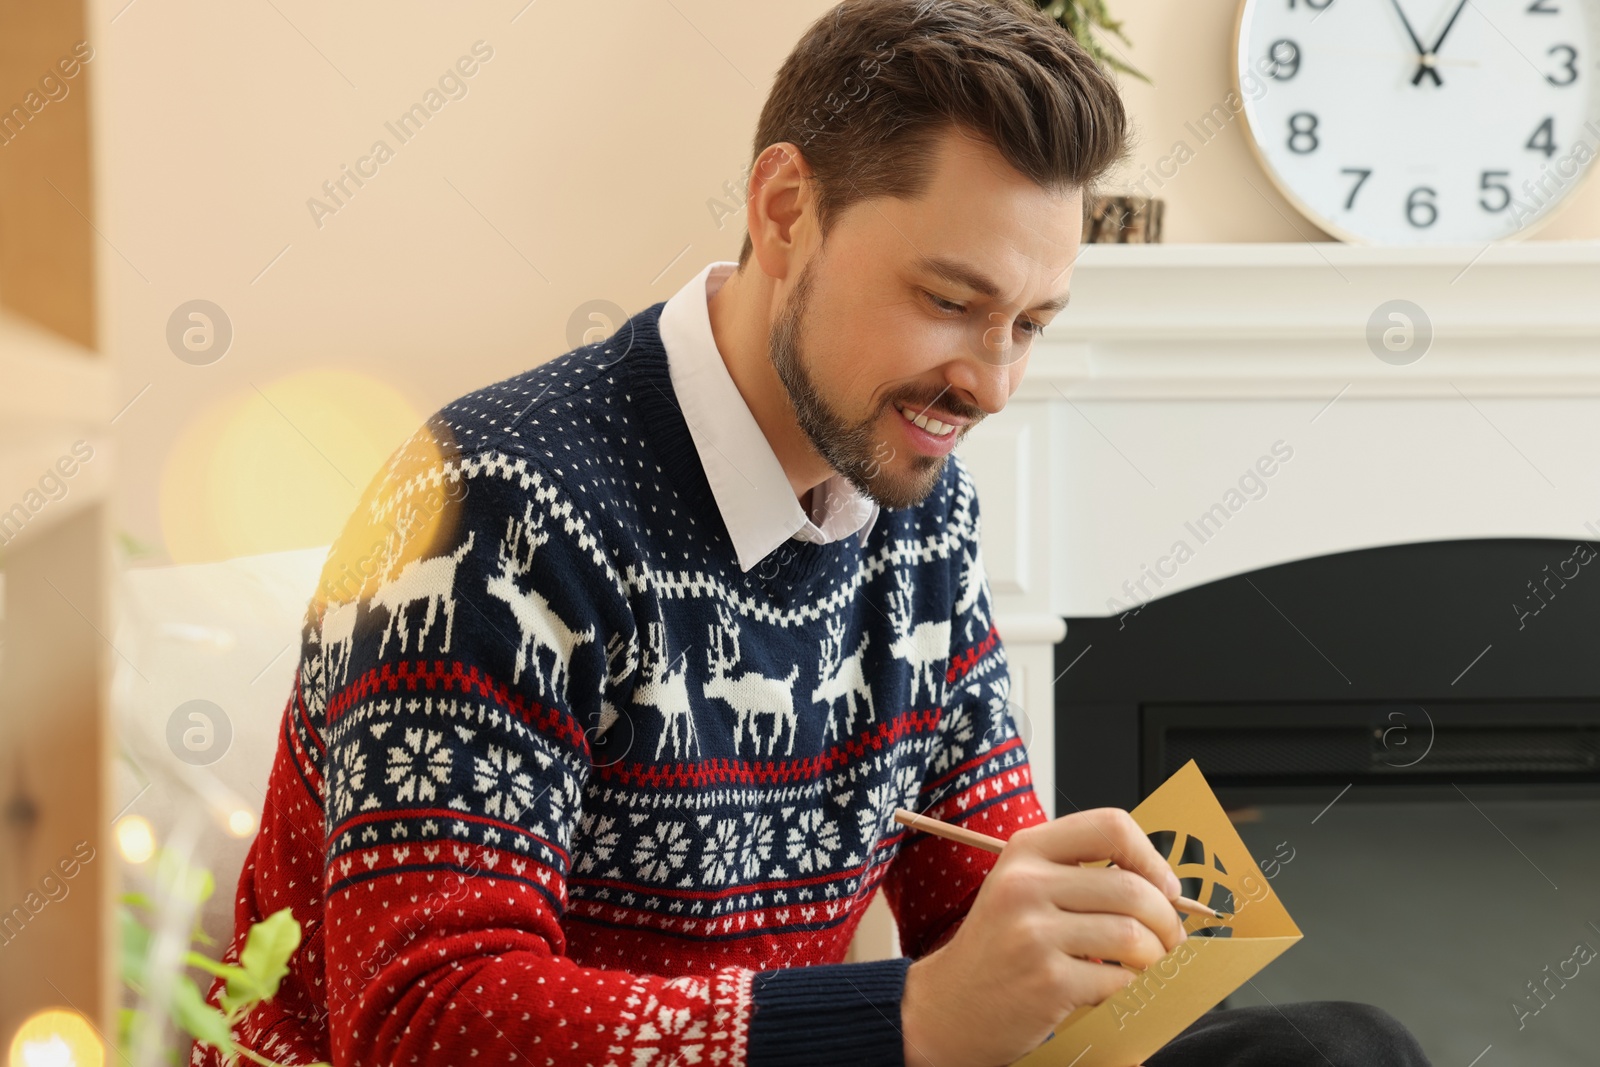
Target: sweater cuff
<point>834,1013</point>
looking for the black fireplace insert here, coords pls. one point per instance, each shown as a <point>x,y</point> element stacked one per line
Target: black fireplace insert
<point>1403,672</point>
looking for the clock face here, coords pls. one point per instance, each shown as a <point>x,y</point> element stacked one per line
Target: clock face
<point>1422,121</point>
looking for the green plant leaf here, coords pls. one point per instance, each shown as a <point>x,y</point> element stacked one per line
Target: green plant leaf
<point>242,990</point>
<point>173,875</point>
<point>197,1018</point>
<point>135,948</point>
<point>241,995</point>
<point>138,900</point>
<point>267,949</point>
<point>1082,19</point>
<point>128,1023</point>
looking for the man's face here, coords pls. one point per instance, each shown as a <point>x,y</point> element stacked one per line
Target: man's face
<point>889,362</point>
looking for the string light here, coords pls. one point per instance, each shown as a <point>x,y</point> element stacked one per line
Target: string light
<point>241,823</point>
<point>56,1038</point>
<point>135,838</point>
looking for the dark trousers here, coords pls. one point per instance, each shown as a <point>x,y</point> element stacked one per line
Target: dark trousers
<point>1312,1033</point>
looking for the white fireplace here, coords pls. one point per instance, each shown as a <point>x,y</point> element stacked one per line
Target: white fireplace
<point>1226,398</point>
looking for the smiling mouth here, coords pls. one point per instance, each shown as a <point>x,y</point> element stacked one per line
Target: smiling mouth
<point>923,422</point>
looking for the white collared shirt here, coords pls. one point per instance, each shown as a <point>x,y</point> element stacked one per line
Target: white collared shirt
<point>753,493</point>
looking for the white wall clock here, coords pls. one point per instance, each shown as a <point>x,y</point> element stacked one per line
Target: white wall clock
<point>1421,121</point>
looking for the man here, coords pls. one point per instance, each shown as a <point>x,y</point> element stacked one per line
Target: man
<point>618,673</point>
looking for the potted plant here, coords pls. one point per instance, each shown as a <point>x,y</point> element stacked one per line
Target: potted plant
<point>1107,218</point>
<point>158,961</point>
<point>1085,20</point>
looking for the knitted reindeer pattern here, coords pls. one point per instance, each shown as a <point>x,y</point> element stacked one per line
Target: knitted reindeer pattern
<point>559,783</point>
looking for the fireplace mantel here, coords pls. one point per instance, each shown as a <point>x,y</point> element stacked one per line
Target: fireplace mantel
<point>1178,368</point>
<point>1171,322</point>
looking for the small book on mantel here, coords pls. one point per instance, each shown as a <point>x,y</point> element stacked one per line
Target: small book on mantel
<point>1188,826</point>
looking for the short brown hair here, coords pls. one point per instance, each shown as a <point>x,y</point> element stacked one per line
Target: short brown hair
<point>873,84</point>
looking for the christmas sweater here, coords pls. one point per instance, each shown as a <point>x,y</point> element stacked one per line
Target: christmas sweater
<point>558,783</point>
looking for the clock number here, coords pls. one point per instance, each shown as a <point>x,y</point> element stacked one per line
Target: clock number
<point>1544,138</point>
<point>1303,132</point>
<point>1314,5</point>
<point>1570,65</point>
<point>1488,185</point>
<point>1416,205</point>
<point>1543,7</point>
<point>1284,55</point>
<point>1362,175</point>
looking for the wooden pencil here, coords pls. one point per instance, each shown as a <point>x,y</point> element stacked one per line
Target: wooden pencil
<point>964,836</point>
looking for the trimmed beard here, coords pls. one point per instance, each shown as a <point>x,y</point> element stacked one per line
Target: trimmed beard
<point>854,450</point>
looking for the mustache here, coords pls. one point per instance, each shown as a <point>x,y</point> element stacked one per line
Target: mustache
<point>921,401</point>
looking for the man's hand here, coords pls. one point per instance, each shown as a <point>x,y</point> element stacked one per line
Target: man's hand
<point>1019,963</point>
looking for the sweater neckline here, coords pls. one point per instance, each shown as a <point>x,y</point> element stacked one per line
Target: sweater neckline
<point>795,563</point>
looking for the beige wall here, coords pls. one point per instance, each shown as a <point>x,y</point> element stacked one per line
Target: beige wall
<point>578,167</point>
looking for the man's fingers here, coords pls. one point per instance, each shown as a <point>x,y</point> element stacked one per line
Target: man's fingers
<point>1114,893</point>
<point>1097,981</point>
<point>1112,936</point>
<point>1101,834</point>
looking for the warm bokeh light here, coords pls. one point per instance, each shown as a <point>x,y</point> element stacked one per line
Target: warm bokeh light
<point>279,466</point>
<point>241,823</point>
<point>135,838</point>
<point>56,1038</point>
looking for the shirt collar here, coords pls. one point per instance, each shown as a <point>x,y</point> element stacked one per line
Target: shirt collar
<point>753,494</point>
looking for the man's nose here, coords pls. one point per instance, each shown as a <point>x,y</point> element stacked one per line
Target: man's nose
<point>985,374</point>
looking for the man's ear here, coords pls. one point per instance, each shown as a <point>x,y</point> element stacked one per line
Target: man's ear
<point>779,202</point>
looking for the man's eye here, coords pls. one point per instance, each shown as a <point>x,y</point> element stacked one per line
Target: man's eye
<point>1028,326</point>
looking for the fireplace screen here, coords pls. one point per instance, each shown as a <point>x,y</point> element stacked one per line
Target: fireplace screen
<point>1404,671</point>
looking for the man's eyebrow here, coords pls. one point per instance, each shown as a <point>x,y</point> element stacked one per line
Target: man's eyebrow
<point>977,281</point>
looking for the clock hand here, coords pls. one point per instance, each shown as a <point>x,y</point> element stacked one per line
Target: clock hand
<point>1444,32</point>
<point>1426,65</point>
<point>1431,56</point>
<point>1407,24</point>
<point>1424,57</point>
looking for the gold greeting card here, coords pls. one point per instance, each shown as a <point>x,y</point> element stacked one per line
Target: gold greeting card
<point>1188,826</point>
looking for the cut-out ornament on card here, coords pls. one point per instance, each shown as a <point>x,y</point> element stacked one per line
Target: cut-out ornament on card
<point>1185,822</point>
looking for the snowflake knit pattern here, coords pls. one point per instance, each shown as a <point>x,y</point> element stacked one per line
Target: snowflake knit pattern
<point>559,784</point>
